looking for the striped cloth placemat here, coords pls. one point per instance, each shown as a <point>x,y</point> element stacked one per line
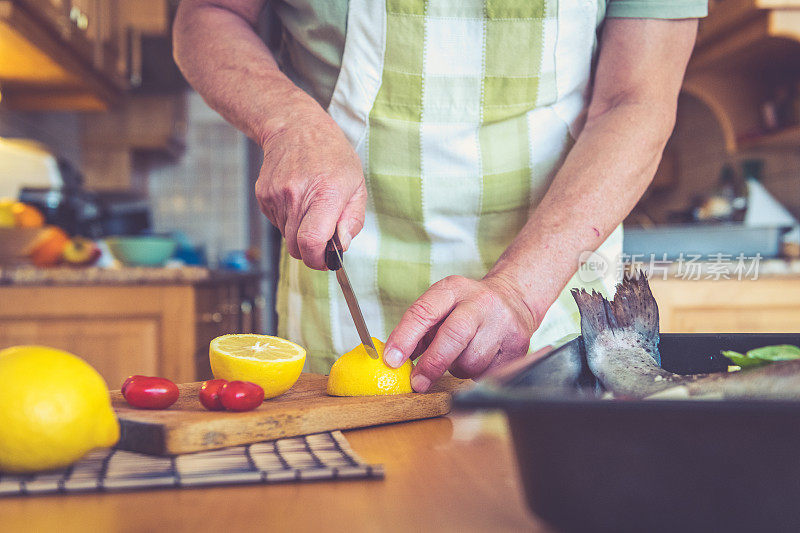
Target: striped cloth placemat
<point>323,456</point>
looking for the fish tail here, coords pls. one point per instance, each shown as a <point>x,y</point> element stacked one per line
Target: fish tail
<point>632,308</point>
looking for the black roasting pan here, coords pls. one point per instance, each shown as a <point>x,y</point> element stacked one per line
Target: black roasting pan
<point>593,464</point>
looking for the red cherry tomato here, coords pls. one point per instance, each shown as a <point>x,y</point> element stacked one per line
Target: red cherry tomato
<point>241,395</point>
<point>148,392</point>
<point>128,382</point>
<point>209,394</point>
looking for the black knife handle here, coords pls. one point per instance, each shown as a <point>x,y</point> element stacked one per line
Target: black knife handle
<point>332,260</point>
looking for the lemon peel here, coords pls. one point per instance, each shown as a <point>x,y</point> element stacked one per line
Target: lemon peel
<point>357,374</point>
<point>54,408</point>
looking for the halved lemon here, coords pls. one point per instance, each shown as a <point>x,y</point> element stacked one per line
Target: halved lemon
<point>271,362</point>
<point>357,374</point>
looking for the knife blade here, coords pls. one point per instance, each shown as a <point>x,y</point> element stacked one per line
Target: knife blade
<point>333,260</point>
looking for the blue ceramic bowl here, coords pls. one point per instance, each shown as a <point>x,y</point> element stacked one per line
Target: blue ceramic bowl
<point>146,250</point>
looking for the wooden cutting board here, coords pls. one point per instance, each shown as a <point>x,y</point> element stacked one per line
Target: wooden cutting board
<point>306,408</point>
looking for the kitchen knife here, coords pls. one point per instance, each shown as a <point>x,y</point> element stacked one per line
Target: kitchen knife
<point>333,260</point>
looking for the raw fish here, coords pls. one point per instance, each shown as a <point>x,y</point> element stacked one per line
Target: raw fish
<point>621,341</point>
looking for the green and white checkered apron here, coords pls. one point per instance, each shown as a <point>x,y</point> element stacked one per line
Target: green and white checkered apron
<point>461,112</point>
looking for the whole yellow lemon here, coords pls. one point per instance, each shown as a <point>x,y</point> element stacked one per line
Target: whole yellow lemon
<point>357,374</point>
<point>54,407</point>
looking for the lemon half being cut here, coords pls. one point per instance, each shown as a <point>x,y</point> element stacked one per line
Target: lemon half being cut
<point>271,362</point>
<point>357,374</point>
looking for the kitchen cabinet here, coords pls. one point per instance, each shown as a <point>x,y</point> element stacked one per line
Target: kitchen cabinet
<point>151,123</point>
<point>744,49</point>
<point>72,54</point>
<point>45,60</point>
<point>764,305</point>
<point>234,305</point>
<point>144,329</point>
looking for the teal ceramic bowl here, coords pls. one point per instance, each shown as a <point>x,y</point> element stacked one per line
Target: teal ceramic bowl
<point>142,251</point>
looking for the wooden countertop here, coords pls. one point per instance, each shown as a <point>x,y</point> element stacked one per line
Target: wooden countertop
<point>28,275</point>
<point>454,473</point>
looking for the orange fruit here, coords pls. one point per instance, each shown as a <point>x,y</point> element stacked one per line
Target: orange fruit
<point>49,246</point>
<point>27,216</point>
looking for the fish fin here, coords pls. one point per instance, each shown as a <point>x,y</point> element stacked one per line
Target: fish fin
<point>633,308</point>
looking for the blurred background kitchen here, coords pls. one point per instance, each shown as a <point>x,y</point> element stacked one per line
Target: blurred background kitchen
<point>151,243</point>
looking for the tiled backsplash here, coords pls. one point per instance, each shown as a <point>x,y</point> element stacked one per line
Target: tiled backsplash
<point>204,193</point>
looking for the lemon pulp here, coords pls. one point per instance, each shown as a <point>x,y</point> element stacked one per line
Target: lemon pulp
<point>271,362</point>
<point>54,408</point>
<point>357,374</point>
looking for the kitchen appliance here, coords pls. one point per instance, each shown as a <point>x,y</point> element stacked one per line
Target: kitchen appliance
<point>592,464</point>
<point>91,214</point>
<point>26,163</point>
<point>305,409</point>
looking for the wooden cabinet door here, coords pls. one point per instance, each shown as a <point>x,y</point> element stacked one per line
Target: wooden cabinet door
<point>119,330</point>
<point>115,347</point>
<point>766,305</point>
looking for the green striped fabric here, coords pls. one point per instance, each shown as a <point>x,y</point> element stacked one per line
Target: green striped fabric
<point>478,104</point>
<point>453,75</point>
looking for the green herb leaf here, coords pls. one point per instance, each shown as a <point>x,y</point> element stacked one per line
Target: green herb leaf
<point>764,355</point>
<point>742,360</point>
<point>780,352</point>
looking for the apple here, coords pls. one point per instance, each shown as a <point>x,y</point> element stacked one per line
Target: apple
<point>81,251</point>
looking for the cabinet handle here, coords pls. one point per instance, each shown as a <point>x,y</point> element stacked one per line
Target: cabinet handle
<point>79,18</point>
<point>229,308</point>
<point>211,318</point>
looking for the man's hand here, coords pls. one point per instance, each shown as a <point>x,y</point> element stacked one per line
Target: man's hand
<point>311,183</point>
<point>464,326</point>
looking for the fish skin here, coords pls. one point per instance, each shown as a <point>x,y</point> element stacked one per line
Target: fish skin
<point>621,342</point>
<point>775,381</point>
<point>621,339</point>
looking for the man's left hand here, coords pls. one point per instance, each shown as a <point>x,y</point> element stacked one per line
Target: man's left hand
<point>462,325</point>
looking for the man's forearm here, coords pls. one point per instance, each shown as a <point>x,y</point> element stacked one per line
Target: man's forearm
<point>224,59</point>
<point>604,175</point>
<point>631,115</point>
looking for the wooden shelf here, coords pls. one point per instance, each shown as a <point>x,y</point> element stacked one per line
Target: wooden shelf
<point>787,138</point>
<point>725,15</point>
<point>734,69</point>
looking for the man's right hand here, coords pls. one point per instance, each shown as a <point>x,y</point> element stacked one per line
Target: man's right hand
<point>311,184</point>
